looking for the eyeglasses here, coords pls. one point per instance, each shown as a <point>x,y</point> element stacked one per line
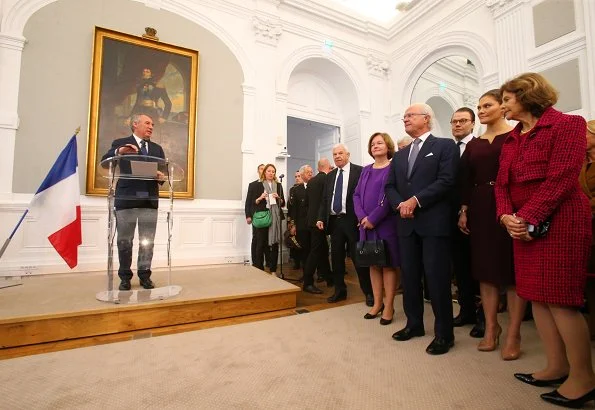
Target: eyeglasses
<point>409,115</point>
<point>462,122</point>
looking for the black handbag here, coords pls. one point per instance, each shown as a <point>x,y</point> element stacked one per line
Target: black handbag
<point>539,231</point>
<point>371,252</point>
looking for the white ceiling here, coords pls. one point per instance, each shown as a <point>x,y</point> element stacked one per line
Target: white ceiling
<point>380,10</point>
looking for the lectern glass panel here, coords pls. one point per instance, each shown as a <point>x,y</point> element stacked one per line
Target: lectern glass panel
<point>136,217</point>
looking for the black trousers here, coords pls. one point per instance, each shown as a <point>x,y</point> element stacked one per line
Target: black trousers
<point>317,257</point>
<point>429,254</point>
<point>253,249</point>
<point>262,250</point>
<point>344,237</point>
<point>126,222</point>
<point>303,238</point>
<point>467,287</point>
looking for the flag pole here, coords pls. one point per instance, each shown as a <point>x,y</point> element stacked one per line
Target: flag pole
<point>7,241</point>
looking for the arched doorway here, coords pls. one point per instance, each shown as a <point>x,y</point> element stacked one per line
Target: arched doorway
<point>322,110</point>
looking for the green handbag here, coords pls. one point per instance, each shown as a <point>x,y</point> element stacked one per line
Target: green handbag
<point>262,219</point>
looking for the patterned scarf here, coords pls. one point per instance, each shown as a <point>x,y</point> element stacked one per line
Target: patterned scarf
<point>274,229</point>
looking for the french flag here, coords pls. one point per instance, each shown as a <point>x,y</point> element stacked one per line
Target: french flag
<point>56,205</point>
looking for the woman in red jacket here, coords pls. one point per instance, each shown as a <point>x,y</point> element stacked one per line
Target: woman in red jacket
<point>540,203</point>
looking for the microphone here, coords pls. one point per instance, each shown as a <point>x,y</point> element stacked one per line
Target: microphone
<point>281,176</point>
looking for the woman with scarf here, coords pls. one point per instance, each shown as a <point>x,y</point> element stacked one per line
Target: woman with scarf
<point>267,197</point>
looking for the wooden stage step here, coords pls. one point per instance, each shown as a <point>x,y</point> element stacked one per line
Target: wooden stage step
<point>60,311</point>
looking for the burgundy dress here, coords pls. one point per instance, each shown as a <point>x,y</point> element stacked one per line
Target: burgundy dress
<point>369,200</point>
<point>491,246</point>
<point>538,180</point>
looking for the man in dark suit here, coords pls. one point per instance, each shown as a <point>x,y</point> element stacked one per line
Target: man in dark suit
<point>296,209</point>
<point>317,259</point>
<point>420,187</point>
<point>300,217</point>
<point>136,200</point>
<point>337,216</point>
<point>462,124</point>
<point>248,210</point>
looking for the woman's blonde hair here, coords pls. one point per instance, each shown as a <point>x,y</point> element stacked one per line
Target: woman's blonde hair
<point>264,170</point>
<point>591,126</point>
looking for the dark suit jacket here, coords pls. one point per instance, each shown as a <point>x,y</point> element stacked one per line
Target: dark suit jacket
<point>314,198</point>
<point>432,181</point>
<point>250,194</point>
<point>324,210</point>
<point>257,190</point>
<point>135,193</point>
<point>297,207</point>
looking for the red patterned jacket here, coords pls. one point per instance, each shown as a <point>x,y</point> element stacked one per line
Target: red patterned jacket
<point>552,156</point>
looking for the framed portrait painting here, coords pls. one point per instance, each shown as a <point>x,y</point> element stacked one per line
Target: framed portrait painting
<point>133,75</point>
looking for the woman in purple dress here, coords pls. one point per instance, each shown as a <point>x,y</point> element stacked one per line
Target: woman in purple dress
<point>377,220</point>
<point>491,247</point>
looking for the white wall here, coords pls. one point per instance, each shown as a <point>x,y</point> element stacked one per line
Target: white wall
<point>369,74</point>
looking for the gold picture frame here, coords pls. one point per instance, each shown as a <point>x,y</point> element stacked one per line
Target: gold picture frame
<point>132,75</point>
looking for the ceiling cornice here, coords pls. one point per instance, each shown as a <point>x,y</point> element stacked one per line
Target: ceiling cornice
<point>469,7</point>
<point>340,17</point>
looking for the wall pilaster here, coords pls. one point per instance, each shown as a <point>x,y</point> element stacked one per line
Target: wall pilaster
<point>511,20</point>
<point>11,49</point>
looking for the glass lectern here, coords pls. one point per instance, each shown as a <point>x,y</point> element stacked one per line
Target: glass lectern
<point>134,182</point>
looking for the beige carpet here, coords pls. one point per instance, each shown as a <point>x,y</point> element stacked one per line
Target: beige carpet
<point>331,359</point>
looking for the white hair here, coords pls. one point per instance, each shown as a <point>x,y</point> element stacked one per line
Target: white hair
<point>404,140</point>
<point>303,169</point>
<point>427,110</point>
<point>341,145</point>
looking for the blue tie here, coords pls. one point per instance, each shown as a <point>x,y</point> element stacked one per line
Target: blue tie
<point>337,201</point>
<point>143,147</point>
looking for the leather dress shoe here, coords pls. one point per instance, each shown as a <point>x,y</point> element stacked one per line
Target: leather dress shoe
<point>369,300</point>
<point>478,330</point>
<point>556,398</point>
<point>338,296</point>
<point>462,320</point>
<point>440,345</point>
<point>125,285</point>
<point>529,379</point>
<point>147,283</point>
<point>320,279</point>
<point>407,333</point>
<point>312,289</point>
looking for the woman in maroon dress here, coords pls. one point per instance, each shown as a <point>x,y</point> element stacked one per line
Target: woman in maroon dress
<point>491,247</point>
<point>376,219</point>
<point>537,183</point>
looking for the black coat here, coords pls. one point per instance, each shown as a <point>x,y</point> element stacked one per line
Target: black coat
<point>324,210</point>
<point>250,194</point>
<point>256,191</point>
<point>314,198</point>
<point>135,193</point>
<point>297,207</point>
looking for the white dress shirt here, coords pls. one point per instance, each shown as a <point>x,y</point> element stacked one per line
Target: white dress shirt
<point>346,170</point>
<point>464,142</point>
<point>422,138</point>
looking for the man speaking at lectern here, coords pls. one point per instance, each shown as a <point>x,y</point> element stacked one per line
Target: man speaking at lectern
<point>136,200</point>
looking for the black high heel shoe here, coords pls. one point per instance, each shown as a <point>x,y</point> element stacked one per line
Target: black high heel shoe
<point>529,379</point>
<point>371,316</point>
<point>556,398</point>
<point>385,322</point>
